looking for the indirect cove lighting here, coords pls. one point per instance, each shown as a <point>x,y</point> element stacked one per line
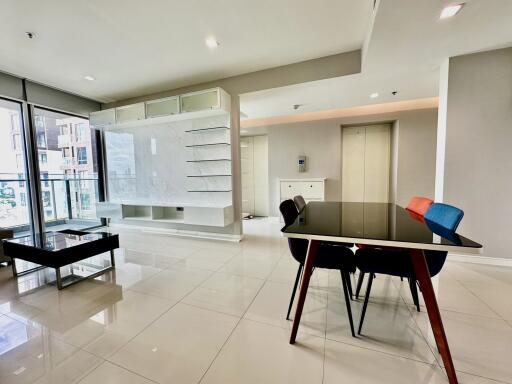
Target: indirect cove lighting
<point>374,95</point>
<point>450,10</point>
<point>211,42</point>
<point>89,78</point>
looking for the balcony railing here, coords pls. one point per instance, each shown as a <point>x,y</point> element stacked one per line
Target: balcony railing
<point>64,201</point>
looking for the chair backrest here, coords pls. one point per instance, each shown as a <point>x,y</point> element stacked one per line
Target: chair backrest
<point>419,205</point>
<point>289,212</point>
<point>298,247</point>
<point>300,203</point>
<point>444,215</point>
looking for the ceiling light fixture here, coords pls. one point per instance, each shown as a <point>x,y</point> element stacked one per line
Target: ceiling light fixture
<point>211,42</point>
<point>374,95</point>
<point>450,10</point>
<point>89,78</point>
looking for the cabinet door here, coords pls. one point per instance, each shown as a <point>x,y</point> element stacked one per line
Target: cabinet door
<point>162,107</point>
<point>313,190</point>
<point>199,101</point>
<point>102,118</point>
<point>290,189</point>
<point>130,113</point>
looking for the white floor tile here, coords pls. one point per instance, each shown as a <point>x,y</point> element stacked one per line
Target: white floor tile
<point>178,347</point>
<point>259,353</point>
<point>230,294</point>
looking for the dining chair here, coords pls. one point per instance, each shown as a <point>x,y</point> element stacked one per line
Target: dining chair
<point>399,263</point>
<point>300,203</point>
<point>328,257</point>
<point>417,207</point>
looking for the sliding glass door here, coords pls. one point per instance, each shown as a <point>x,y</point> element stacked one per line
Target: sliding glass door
<point>67,154</point>
<point>14,184</point>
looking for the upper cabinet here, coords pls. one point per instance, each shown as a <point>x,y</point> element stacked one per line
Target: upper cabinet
<point>198,101</point>
<point>103,118</point>
<point>163,107</point>
<point>130,113</point>
<point>205,103</point>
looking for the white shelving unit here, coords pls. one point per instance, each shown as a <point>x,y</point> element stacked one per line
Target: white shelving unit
<point>215,216</point>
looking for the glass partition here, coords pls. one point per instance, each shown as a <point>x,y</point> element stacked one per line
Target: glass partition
<point>14,190</point>
<point>68,167</point>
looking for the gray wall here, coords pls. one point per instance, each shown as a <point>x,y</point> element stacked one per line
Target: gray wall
<point>415,139</point>
<point>478,157</point>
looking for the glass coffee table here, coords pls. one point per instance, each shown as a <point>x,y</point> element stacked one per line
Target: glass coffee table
<point>62,249</point>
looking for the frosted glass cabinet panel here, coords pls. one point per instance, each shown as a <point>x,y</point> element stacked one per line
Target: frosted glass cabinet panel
<point>199,101</point>
<point>102,118</point>
<point>162,107</point>
<point>130,113</point>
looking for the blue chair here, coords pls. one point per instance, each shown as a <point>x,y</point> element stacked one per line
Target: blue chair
<point>328,257</point>
<point>440,218</point>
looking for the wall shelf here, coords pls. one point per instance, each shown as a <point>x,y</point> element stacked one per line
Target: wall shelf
<point>200,161</point>
<point>210,190</point>
<point>205,129</point>
<point>208,175</point>
<point>206,145</point>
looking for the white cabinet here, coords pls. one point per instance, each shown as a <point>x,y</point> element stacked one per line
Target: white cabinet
<point>215,98</point>
<point>310,189</point>
<point>162,107</point>
<point>130,113</point>
<point>103,118</point>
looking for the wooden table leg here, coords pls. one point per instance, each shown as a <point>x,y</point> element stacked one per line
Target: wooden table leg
<point>423,276</point>
<point>306,276</point>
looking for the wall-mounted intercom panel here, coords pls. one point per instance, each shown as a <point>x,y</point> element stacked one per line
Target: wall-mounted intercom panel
<point>301,163</point>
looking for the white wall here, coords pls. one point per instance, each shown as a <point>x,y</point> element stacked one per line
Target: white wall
<point>320,141</point>
<point>478,158</point>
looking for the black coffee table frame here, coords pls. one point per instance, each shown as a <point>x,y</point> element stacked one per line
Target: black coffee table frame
<point>67,255</point>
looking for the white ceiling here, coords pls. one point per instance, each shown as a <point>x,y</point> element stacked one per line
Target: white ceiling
<point>137,47</point>
<point>407,44</point>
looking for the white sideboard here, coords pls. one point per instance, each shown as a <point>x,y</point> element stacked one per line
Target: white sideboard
<point>310,189</point>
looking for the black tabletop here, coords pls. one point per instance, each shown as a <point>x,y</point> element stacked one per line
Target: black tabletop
<point>380,222</point>
<point>57,241</point>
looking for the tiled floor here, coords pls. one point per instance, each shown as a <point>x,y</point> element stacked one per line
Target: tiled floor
<point>184,311</point>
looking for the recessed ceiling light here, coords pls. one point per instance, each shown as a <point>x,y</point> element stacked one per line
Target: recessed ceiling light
<point>374,95</point>
<point>90,78</point>
<point>211,42</point>
<point>450,10</point>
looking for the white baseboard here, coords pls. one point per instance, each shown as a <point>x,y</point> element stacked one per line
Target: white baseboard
<point>480,260</point>
<point>182,233</point>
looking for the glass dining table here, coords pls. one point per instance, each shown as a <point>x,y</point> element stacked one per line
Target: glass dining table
<point>385,225</point>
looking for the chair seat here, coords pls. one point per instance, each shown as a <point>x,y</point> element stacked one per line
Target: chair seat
<point>335,257</point>
<point>394,262</point>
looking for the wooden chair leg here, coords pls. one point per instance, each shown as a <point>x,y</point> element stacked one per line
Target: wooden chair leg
<point>359,283</point>
<point>297,279</point>
<point>366,297</point>
<point>344,283</point>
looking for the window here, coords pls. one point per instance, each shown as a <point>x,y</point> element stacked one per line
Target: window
<point>41,139</point>
<point>23,199</point>
<point>81,155</point>
<point>82,131</point>
<point>21,182</point>
<point>82,176</point>
<point>43,158</point>
<point>16,141</point>
<point>19,162</point>
<point>44,176</point>
<point>85,201</point>
<point>47,199</point>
